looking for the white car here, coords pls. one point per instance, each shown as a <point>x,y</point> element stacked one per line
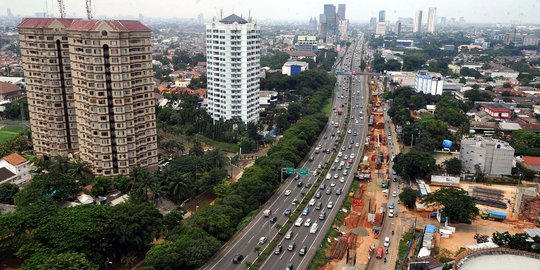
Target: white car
<point>328,177</point>
<point>308,222</point>
<point>287,192</point>
<point>342,163</point>
<point>330,204</point>
<point>349,131</point>
<point>262,240</point>
<point>333,184</point>
<point>336,176</point>
<point>352,155</point>
<point>312,202</point>
<point>342,179</point>
<point>337,160</point>
<point>298,222</point>
<point>386,242</point>
<point>391,213</point>
<point>314,228</point>
<point>345,157</point>
<point>394,194</point>
<point>340,154</point>
<point>357,145</point>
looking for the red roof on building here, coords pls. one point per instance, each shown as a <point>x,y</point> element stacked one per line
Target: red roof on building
<point>15,159</point>
<point>43,22</point>
<point>531,160</point>
<point>117,25</point>
<point>8,88</point>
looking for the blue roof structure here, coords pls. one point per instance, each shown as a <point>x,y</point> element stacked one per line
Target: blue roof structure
<point>430,228</point>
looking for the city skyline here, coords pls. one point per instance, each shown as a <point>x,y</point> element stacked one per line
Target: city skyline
<point>476,12</point>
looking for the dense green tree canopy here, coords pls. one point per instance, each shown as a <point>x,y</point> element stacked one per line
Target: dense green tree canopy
<point>455,203</point>
<point>408,197</point>
<point>414,164</point>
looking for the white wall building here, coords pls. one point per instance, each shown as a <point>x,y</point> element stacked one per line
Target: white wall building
<point>417,27</point>
<point>291,68</point>
<point>429,82</point>
<point>15,169</point>
<point>233,67</point>
<point>432,17</point>
<point>495,157</point>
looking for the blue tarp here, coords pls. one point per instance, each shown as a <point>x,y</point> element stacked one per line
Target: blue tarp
<point>497,214</point>
<point>430,228</point>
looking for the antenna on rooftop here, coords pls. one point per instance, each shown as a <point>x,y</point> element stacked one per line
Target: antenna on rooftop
<point>221,14</point>
<point>89,9</point>
<point>62,8</point>
<point>249,15</point>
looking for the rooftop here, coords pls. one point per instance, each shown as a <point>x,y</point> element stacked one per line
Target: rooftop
<point>8,88</point>
<point>497,106</point>
<point>5,174</point>
<point>531,163</point>
<point>116,25</point>
<point>499,262</point>
<point>43,22</point>
<point>233,18</point>
<point>302,53</point>
<point>15,159</point>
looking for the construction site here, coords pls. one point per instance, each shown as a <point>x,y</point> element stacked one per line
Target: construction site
<point>361,227</point>
<point>502,208</point>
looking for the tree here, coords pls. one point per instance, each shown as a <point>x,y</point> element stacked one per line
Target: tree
<point>453,166</point>
<point>414,164</point>
<point>101,185</point>
<point>408,197</point>
<point>477,95</point>
<point>456,203</point>
<point>462,80</point>
<point>507,85</point>
<point>222,188</point>
<point>196,148</point>
<point>7,192</point>
<point>68,261</point>
<point>519,241</point>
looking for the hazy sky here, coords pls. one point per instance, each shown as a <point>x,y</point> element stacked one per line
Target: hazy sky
<point>519,11</point>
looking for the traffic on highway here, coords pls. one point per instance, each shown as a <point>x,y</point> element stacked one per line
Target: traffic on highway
<point>299,244</point>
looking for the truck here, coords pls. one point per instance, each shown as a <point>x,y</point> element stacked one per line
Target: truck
<point>267,212</point>
<point>493,215</point>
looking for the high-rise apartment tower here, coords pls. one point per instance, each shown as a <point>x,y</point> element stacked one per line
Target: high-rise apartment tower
<point>432,17</point>
<point>233,66</point>
<point>417,27</point>
<point>97,91</point>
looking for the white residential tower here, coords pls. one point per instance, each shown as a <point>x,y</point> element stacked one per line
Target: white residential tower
<point>233,66</point>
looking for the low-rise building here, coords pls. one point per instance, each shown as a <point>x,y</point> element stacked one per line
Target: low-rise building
<point>267,98</point>
<point>15,169</point>
<point>292,68</point>
<point>495,157</point>
<point>306,43</point>
<point>429,82</point>
<point>497,110</point>
<point>301,55</point>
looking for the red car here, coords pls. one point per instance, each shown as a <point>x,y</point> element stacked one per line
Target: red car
<point>350,160</point>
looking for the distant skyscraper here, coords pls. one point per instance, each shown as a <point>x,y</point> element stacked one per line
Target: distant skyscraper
<point>417,27</point>
<point>331,20</point>
<point>461,20</point>
<point>382,16</point>
<point>322,26</point>
<point>200,18</point>
<point>95,97</point>
<point>397,28</point>
<point>381,29</point>
<point>313,25</point>
<point>341,11</point>
<point>443,21</point>
<point>8,12</point>
<point>343,30</point>
<point>432,16</point>
<point>233,68</point>
<point>141,17</point>
<point>373,23</point>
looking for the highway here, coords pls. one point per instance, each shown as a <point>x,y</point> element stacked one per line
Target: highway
<point>245,242</point>
<point>302,235</point>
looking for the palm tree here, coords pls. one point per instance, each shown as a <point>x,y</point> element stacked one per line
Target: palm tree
<point>178,185</point>
<point>41,164</point>
<point>141,181</point>
<point>80,169</point>
<point>59,164</point>
<point>158,189</point>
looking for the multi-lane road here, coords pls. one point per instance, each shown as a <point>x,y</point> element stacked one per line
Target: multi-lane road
<point>246,242</point>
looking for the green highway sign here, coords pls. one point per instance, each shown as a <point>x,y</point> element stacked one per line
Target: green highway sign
<point>303,171</point>
<point>289,170</point>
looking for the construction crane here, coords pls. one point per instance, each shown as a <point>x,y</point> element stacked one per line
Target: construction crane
<point>62,8</point>
<point>89,9</point>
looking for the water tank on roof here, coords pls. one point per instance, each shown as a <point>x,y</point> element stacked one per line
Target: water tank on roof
<point>447,144</point>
